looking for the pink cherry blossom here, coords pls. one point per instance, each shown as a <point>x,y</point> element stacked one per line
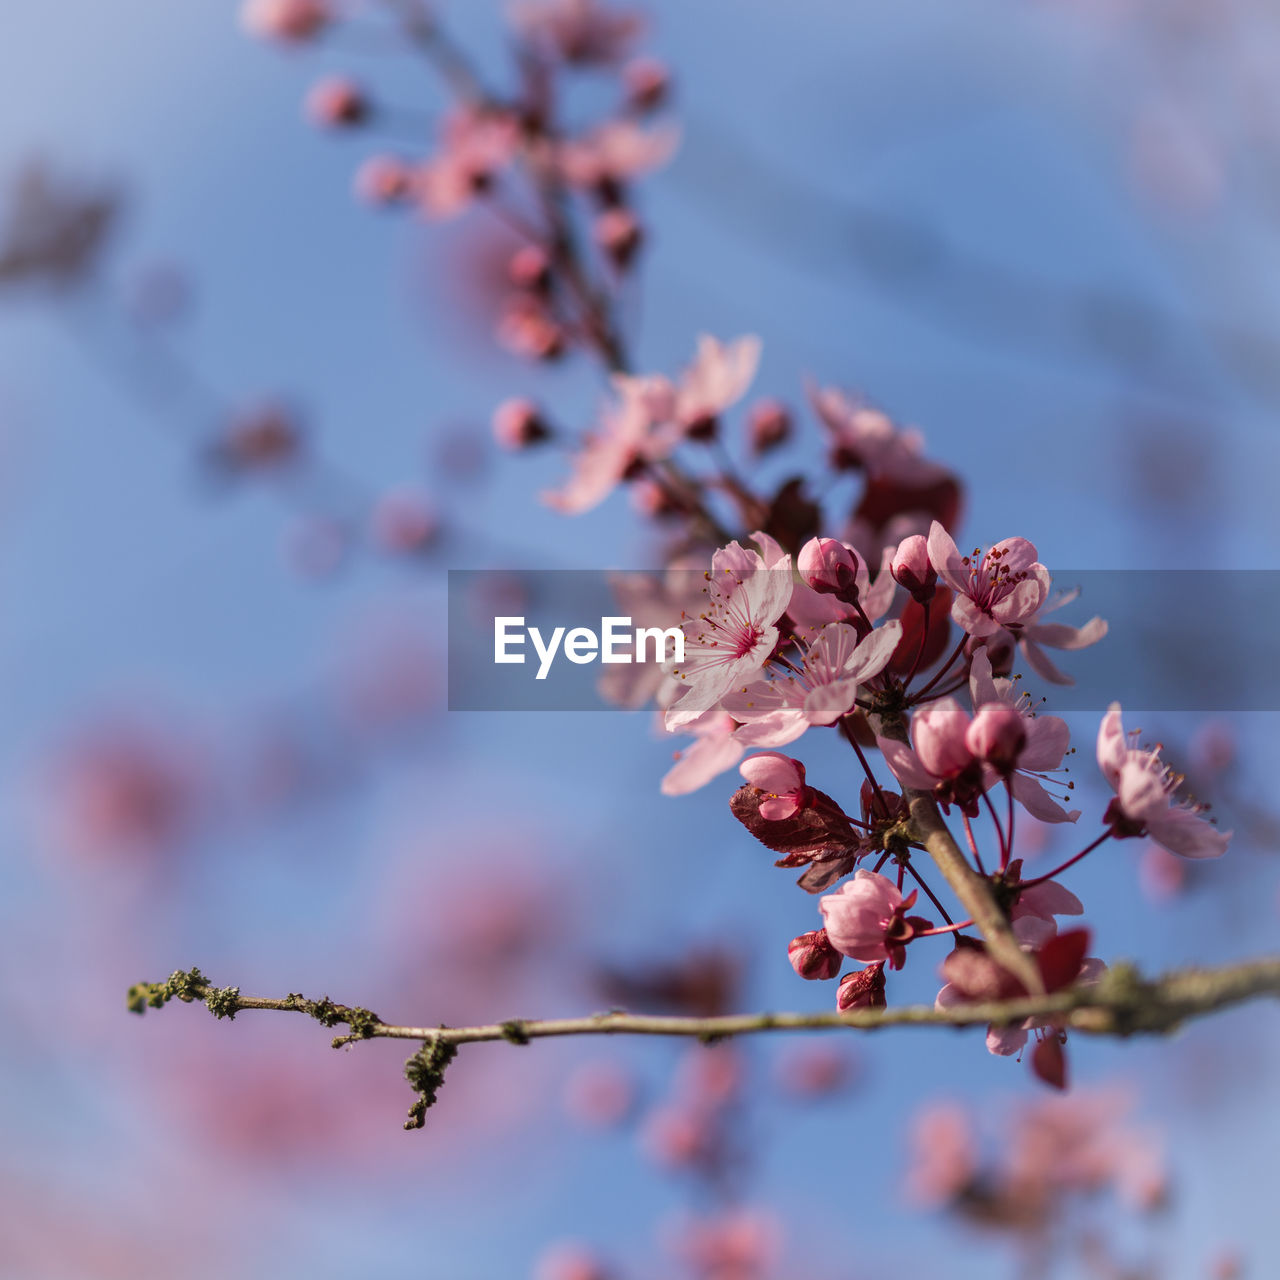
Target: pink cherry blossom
<point>579,31</point>
<point>777,711</point>
<point>1146,801</point>
<point>866,438</point>
<point>620,444</point>
<point>1003,587</point>
<point>782,779</point>
<point>912,568</point>
<point>813,957</point>
<point>768,425</point>
<point>1006,590</point>
<point>290,21</point>
<point>647,82</point>
<point>618,233</point>
<point>1047,740</point>
<point>614,153</point>
<point>475,145</point>
<point>336,103</point>
<point>383,180</point>
<point>716,748</point>
<point>865,918</point>
<point>717,379</point>
<point>862,989</point>
<point>730,641</point>
<point>518,423</point>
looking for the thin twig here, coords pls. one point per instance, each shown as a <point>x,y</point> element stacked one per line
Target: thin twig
<point>1121,1004</point>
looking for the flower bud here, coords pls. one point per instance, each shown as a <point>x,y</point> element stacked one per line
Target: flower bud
<point>517,424</point>
<point>781,779</point>
<point>647,82</point>
<point>938,734</point>
<point>830,567</point>
<point>912,569</point>
<point>291,21</point>
<point>997,735</point>
<point>383,180</point>
<point>336,103</point>
<point>530,268</point>
<point>862,989</point>
<point>768,425</point>
<point>618,233</point>
<point>404,521</point>
<point>813,957</point>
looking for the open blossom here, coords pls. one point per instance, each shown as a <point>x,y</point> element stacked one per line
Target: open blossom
<point>1006,589</point>
<point>614,153</point>
<point>578,31</point>
<point>718,377</point>
<point>475,145</point>
<point>619,446</point>
<point>782,779</point>
<point>1001,588</point>
<point>867,439</point>
<point>716,747</point>
<point>942,756</point>
<point>866,918</point>
<point>1045,744</point>
<point>730,641</point>
<point>1147,801</point>
<point>775,712</point>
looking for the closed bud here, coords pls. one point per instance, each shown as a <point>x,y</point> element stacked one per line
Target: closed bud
<point>997,735</point>
<point>812,956</point>
<point>768,425</point>
<point>830,567</point>
<point>647,83</point>
<point>517,424</point>
<point>912,569</point>
<point>862,989</point>
<point>530,268</point>
<point>617,232</point>
<point>337,103</point>
<point>383,180</point>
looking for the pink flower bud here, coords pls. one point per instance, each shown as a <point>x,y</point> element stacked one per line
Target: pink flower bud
<point>647,83</point>
<point>768,425</point>
<point>404,521</point>
<point>517,424</point>
<point>938,734</point>
<point>383,180</point>
<point>782,779</point>
<point>618,234</point>
<point>530,268</point>
<point>570,1262</point>
<point>291,21</point>
<point>912,569</point>
<point>862,989</point>
<point>336,103</point>
<point>861,914</point>
<point>528,329</point>
<point>997,735</point>
<point>813,957</point>
<point>830,567</point>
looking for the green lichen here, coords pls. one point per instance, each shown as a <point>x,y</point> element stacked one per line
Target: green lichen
<point>425,1073</point>
<point>184,985</point>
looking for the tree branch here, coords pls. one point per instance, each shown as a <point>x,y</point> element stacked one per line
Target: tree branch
<point>1121,1004</point>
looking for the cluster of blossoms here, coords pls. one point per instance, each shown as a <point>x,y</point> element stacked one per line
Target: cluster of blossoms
<point>782,645</point>
<point>906,646</point>
<point>1038,1185</point>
